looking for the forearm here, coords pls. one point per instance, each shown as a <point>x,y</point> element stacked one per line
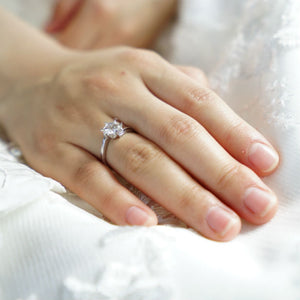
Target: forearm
<point>25,52</point>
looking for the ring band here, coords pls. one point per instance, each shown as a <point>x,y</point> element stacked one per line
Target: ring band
<point>111,131</point>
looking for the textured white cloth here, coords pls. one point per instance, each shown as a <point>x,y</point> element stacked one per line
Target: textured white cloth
<point>51,249</point>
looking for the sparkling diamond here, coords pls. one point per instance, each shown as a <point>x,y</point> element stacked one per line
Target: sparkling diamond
<point>113,129</point>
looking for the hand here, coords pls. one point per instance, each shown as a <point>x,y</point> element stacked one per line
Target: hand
<point>191,152</point>
<point>91,24</point>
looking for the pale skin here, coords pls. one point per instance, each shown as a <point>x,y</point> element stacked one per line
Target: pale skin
<point>91,24</point>
<point>190,152</point>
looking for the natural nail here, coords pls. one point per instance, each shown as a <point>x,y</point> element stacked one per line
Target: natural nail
<point>258,201</point>
<point>136,216</point>
<point>263,157</point>
<point>219,220</point>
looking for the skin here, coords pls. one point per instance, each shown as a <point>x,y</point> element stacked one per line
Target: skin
<point>190,152</point>
<point>93,24</point>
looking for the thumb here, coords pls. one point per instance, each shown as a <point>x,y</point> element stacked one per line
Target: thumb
<point>62,11</point>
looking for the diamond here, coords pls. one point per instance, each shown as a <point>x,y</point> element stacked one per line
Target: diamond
<point>113,129</point>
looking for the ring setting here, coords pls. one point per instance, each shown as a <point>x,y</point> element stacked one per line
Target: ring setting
<point>111,131</point>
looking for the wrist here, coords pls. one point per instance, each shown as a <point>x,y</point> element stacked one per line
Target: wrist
<point>26,53</point>
<point>42,63</point>
<point>14,86</point>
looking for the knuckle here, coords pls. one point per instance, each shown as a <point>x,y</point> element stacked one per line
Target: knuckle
<point>116,195</point>
<point>69,111</point>
<point>111,205</point>
<point>141,156</point>
<point>84,173</point>
<point>179,128</point>
<point>109,201</point>
<point>112,200</point>
<point>44,142</point>
<point>129,54</point>
<point>75,82</point>
<point>79,91</point>
<point>140,57</point>
<point>200,95</point>
<point>237,129</point>
<point>196,98</point>
<point>228,175</point>
<point>187,196</point>
<point>150,54</point>
<point>94,83</point>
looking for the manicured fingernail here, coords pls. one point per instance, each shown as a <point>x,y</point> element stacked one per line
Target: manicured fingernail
<point>219,220</point>
<point>136,216</point>
<point>263,157</point>
<point>258,201</point>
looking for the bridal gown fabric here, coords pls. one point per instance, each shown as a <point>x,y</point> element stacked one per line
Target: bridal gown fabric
<point>51,249</point>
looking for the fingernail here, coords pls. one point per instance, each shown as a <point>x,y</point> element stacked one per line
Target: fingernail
<point>263,157</point>
<point>258,201</point>
<point>219,220</point>
<point>136,216</point>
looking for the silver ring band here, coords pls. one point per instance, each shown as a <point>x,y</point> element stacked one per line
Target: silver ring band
<point>111,131</point>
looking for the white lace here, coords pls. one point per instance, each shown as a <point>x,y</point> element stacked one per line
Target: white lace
<point>250,48</point>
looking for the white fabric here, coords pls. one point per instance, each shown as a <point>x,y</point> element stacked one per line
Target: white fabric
<point>51,249</point>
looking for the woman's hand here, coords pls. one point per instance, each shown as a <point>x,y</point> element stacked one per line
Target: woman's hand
<point>191,152</point>
<point>91,24</point>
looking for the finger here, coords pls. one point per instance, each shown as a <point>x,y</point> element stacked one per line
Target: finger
<point>81,29</point>
<point>153,172</point>
<point>83,174</point>
<point>240,139</point>
<point>144,165</point>
<point>189,144</point>
<point>196,74</point>
<point>63,11</point>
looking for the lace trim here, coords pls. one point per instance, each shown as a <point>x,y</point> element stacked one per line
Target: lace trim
<point>135,273</point>
<point>265,31</point>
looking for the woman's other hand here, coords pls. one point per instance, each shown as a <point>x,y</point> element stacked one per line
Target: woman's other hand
<point>190,152</point>
<point>92,24</point>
